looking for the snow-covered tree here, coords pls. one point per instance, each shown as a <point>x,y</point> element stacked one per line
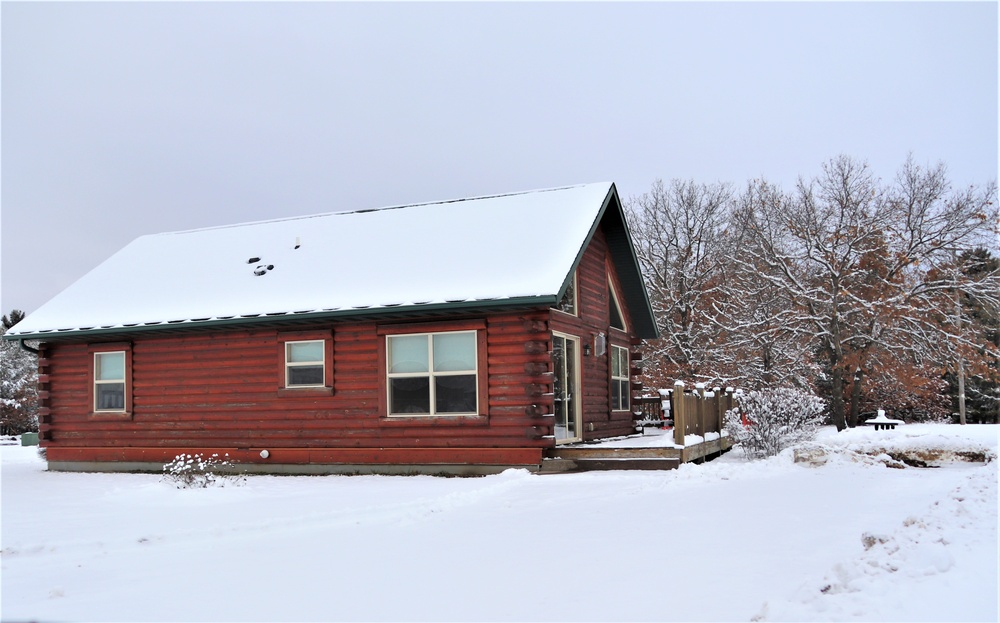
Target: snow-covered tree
<point>862,265</point>
<point>760,348</point>
<point>678,232</point>
<point>18,383</point>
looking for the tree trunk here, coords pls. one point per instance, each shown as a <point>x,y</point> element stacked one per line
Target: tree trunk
<point>961,365</point>
<point>852,418</point>
<point>837,394</point>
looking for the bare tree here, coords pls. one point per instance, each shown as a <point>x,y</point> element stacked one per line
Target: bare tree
<point>678,230</point>
<point>864,267</point>
<point>760,347</point>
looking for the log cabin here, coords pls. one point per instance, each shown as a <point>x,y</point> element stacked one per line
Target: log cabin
<point>458,337</point>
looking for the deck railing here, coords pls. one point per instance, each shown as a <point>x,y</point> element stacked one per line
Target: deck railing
<point>697,411</point>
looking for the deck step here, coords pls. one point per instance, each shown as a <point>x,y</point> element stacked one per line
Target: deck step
<point>598,452</point>
<point>563,465</point>
<point>557,466</point>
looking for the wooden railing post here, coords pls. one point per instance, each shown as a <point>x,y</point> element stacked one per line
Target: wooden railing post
<point>700,388</point>
<point>729,407</point>
<point>719,412</point>
<point>677,407</point>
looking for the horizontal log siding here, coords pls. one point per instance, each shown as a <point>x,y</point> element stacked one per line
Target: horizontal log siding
<point>595,317</point>
<point>222,390</point>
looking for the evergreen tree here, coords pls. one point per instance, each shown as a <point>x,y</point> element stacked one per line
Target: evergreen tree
<point>18,383</point>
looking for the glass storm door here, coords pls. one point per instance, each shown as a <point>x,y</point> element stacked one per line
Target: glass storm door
<point>566,366</point>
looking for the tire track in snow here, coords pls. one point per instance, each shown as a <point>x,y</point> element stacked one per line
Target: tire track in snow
<point>889,572</point>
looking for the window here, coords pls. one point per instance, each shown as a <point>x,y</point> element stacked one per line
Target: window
<point>433,373</point>
<point>567,303</point>
<point>619,379</point>
<point>305,364</point>
<point>109,381</point>
<point>617,318</point>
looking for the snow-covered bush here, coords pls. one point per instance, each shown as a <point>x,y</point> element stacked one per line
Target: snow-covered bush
<point>188,471</point>
<point>766,422</point>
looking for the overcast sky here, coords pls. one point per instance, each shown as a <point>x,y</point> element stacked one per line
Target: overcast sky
<point>124,119</point>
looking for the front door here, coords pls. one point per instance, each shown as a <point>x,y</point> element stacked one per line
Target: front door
<point>566,366</point>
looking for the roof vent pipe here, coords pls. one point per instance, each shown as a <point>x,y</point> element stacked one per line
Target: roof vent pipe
<point>297,242</point>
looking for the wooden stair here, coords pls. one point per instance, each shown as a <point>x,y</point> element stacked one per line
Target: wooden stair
<point>593,456</point>
<point>582,458</point>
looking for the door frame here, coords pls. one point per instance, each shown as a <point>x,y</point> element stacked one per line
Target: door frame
<point>577,380</point>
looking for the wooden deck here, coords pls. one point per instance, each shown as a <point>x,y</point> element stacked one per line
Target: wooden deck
<point>602,456</point>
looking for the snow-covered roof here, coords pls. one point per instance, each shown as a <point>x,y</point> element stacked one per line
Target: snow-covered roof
<point>505,249</point>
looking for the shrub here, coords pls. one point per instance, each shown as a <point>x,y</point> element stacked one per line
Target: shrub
<point>766,422</point>
<point>188,471</point>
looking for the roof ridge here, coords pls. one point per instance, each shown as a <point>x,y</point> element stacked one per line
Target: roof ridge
<point>368,210</point>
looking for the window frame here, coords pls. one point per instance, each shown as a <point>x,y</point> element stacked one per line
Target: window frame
<point>290,337</point>
<point>622,380</point>
<point>94,351</point>
<point>576,379</point>
<point>303,364</point>
<point>576,298</point>
<point>616,302</point>
<point>386,332</point>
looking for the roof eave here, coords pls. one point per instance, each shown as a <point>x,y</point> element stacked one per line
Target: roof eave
<point>285,317</point>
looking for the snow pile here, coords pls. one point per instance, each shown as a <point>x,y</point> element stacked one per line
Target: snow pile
<point>927,443</point>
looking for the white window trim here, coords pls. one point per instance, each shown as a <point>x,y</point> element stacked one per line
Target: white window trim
<point>430,375</point>
<point>617,302</point>
<point>121,381</point>
<point>296,364</point>
<point>627,393</point>
<point>576,299</point>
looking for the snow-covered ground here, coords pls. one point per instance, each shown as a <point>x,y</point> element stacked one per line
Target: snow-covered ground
<point>848,539</point>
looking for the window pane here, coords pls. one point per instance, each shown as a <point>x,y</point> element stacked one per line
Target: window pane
<point>410,395</point>
<point>568,302</point>
<point>305,375</point>
<point>454,351</point>
<point>305,351</point>
<point>110,396</point>
<point>455,394</point>
<point>109,367</point>
<point>616,366</point>
<point>624,394</point>
<point>408,353</point>
<point>616,314</point>
<point>616,396</point>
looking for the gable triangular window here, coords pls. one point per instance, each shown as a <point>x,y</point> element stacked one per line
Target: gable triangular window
<point>617,318</point>
<point>568,303</point>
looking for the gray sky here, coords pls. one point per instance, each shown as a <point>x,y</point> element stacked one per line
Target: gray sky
<point>124,119</point>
